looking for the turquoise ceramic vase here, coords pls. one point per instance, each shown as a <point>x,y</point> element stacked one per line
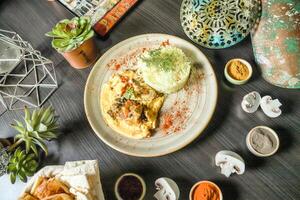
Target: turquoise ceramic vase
<point>276,42</point>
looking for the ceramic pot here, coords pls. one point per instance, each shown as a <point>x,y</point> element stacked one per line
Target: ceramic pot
<point>276,42</point>
<point>82,57</point>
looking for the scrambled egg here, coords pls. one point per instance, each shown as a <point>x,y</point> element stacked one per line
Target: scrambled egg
<point>129,105</point>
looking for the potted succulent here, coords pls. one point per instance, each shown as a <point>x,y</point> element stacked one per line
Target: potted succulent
<point>74,40</point>
<point>20,158</point>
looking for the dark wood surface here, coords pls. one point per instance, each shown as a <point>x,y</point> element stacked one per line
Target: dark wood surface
<point>273,178</point>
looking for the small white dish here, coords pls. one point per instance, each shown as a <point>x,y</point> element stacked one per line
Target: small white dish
<point>130,174</point>
<point>209,182</point>
<point>231,79</point>
<point>252,150</point>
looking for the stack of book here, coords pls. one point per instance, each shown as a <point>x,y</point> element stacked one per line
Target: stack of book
<point>104,13</point>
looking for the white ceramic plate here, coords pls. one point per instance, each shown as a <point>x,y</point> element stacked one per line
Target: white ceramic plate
<point>183,116</point>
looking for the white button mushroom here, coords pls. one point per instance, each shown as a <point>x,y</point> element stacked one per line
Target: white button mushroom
<point>251,102</point>
<point>167,189</point>
<point>270,107</point>
<point>230,162</point>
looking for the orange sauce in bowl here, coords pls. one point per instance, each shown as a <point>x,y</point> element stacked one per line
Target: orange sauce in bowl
<point>206,191</point>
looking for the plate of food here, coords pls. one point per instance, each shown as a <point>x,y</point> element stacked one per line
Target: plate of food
<point>78,180</point>
<point>150,95</point>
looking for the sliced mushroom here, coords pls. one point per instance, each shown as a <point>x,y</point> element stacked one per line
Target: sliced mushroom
<point>251,102</point>
<point>230,162</point>
<point>271,107</point>
<point>167,189</point>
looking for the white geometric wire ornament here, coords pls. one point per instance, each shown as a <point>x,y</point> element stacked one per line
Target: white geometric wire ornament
<point>26,77</point>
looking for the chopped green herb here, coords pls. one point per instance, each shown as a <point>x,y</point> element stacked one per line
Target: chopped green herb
<point>129,94</point>
<point>162,60</point>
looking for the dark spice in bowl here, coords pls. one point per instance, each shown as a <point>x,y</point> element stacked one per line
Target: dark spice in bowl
<point>130,188</point>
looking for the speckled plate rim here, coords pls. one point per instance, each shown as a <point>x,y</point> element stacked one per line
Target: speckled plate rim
<point>169,150</point>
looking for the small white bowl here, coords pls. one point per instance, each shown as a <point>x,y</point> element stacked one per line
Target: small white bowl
<point>231,79</point>
<point>130,174</point>
<point>252,150</point>
<point>200,182</point>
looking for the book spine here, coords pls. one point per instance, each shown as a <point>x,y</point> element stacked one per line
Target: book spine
<point>103,26</point>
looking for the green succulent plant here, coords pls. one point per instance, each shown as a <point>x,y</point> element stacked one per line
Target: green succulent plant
<point>21,165</point>
<point>39,126</point>
<point>69,34</point>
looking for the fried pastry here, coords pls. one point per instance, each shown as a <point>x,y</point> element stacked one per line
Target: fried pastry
<point>59,197</point>
<point>45,187</point>
<point>27,196</point>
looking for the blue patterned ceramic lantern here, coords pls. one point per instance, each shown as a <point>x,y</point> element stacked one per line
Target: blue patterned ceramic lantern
<point>276,42</point>
<point>218,23</point>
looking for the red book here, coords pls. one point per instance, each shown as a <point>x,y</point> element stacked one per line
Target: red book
<point>104,25</point>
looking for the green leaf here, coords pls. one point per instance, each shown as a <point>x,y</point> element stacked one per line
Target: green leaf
<point>29,173</point>
<point>41,128</point>
<point>12,178</point>
<point>34,149</point>
<point>61,42</point>
<point>28,143</point>
<point>37,135</point>
<point>18,128</point>
<point>11,168</point>
<point>29,126</point>
<point>30,157</point>
<point>46,114</point>
<point>34,118</point>
<point>71,46</point>
<point>27,114</point>
<point>49,135</point>
<point>19,124</point>
<point>42,145</point>
<point>50,34</point>
<point>129,94</point>
<point>32,166</point>
<point>22,176</point>
<point>18,152</point>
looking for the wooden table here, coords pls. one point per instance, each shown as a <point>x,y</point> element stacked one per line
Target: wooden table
<point>276,177</point>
